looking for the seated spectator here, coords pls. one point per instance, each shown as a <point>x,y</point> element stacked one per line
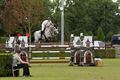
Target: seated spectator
<point>19,63</point>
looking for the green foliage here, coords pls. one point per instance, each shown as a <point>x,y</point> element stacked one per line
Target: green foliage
<point>1,26</point>
<point>47,8</point>
<point>88,15</point>
<point>108,53</point>
<point>89,33</point>
<point>100,34</point>
<point>1,4</point>
<point>1,29</point>
<point>3,39</point>
<point>51,55</point>
<point>27,15</point>
<point>109,36</point>
<point>5,65</point>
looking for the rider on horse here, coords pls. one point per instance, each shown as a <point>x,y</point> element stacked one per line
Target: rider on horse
<point>45,24</point>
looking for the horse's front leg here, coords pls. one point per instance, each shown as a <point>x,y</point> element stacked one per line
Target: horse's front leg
<point>47,39</point>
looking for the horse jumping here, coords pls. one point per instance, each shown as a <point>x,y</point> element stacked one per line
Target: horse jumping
<point>50,32</point>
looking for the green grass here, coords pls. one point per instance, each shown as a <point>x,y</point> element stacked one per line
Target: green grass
<point>109,71</point>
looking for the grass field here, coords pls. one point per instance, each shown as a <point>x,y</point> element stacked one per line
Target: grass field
<point>61,71</point>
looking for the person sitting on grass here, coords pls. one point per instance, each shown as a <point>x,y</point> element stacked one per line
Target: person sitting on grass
<point>19,63</point>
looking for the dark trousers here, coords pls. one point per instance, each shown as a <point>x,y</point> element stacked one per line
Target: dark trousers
<point>25,67</point>
<point>43,34</point>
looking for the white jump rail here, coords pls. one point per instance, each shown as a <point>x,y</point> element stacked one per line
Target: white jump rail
<point>51,46</point>
<point>46,58</point>
<point>64,46</point>
<point>50,51</point>
<point>32,45</point>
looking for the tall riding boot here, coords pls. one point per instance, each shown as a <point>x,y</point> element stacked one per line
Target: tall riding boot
<point>41,35</point>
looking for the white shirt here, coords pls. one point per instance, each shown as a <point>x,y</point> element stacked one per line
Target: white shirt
<point>16,59</point>
<point>46,23</point>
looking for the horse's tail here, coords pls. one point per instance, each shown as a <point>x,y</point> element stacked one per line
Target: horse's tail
<point>36,35</point>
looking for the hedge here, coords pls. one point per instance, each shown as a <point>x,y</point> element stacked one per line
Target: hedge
<point>108,53</point>
<point>3,39</point>
<point>5,65</point>
<point>50,54</point>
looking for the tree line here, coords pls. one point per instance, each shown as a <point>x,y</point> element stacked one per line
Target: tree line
<point>99,18</point>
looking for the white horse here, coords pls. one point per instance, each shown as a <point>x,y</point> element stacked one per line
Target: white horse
<point>50,32</point>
